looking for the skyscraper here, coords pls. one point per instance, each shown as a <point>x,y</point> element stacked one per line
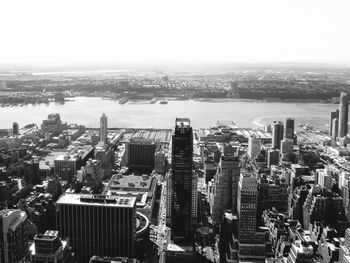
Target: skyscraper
<point>247,202</point>
<point>254,147</point>
<point>277,134</point>
<point>335,128</point>
<point>98,224</point>
<point>289,129</point>
<point>103,128</point>
<point>343,115</point>
<point>182,181</point>
<point>15,128</point>
<point>334,115</point>
<point>225,187</point>
<point>13,235</point>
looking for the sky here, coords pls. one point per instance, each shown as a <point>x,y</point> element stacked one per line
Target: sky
<point>64,31</point>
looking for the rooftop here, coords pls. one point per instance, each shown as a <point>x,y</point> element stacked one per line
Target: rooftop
<point>131,182</point>
<point>182,122</point>
<point>97,200</point>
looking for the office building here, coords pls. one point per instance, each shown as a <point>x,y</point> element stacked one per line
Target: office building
<point>169,197</point>
<point>98,224</point>
<point>343,115</point>
<point>105,155</point>
<point>14,244</point>
<point>142,187</point>
<point>31,172</point>
<point>324,178</point>
<point>140,153</point>
<point>66,166</point>
<point>300,253</point>
<point>160,161</point>
<point>286,148</point>
<point>334,115</point>
<point>247,207</point>
<point>323,205</point>
<point>225,187</point>
<point>254,147</point>
<point>289,129</point>
<point>273,157</point>
<point>15,129</point>
<point>103,128</point>
<point>93,171</point>
<point>335,128</point>
<point>49,247</point>
<point>182,182</point>
<point>52,124</point>
<point>277,134</point>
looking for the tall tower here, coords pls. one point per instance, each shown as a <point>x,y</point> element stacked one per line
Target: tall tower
<point>343,115</point>
<point>247,202</point>
<point>15,128</point>
<point>254,147</point>
<point>289,129</point>
<point>225,187</point>
<point>103,128</point>
<point>334,115</point>
<point>335,127</point>
<point>14,235</point>
<point>182,177</point>
<point>277,134</point>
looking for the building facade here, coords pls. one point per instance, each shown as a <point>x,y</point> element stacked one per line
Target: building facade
<point>14,244</point>
<point>103,128</point>
<point>289,129</point>
<point>182,181</point>
<point>98,224</point>
<point>343,115</point>
<point>277,134</point>
<point>254,147</point>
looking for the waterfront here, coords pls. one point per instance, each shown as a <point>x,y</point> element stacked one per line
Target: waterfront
<point>88,110</point>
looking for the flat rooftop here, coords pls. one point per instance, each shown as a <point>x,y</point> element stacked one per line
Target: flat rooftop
<point>131,183</point>
<point>97,200</point>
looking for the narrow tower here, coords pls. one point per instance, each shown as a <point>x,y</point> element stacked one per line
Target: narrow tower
<point>103,128</point>
<point>343,115</point>
<point>182,181</point>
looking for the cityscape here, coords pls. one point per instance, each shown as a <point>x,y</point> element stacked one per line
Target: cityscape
<point>219,194</point>
<point>187,131</point>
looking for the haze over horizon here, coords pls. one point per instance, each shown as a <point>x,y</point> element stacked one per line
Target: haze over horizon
<point>244,31</point>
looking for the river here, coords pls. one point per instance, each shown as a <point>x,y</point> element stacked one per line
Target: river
<point>87,111</point>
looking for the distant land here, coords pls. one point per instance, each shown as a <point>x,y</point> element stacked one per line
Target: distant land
<point>170,66</point>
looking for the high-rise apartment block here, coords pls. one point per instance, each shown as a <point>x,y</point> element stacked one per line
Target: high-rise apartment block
<point>103,128</point>
<point>334,115</point>
<point>273,157</point>
<point>98,224</point>
<point>254,147</point>
<point>183,197</point>
<point>225,187</point>
<point>15,128</point>
<point>247,207</point>
<point>277,134</point>
<point>13,236</point>
<point>343,115</point>
<point>289,129</point>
